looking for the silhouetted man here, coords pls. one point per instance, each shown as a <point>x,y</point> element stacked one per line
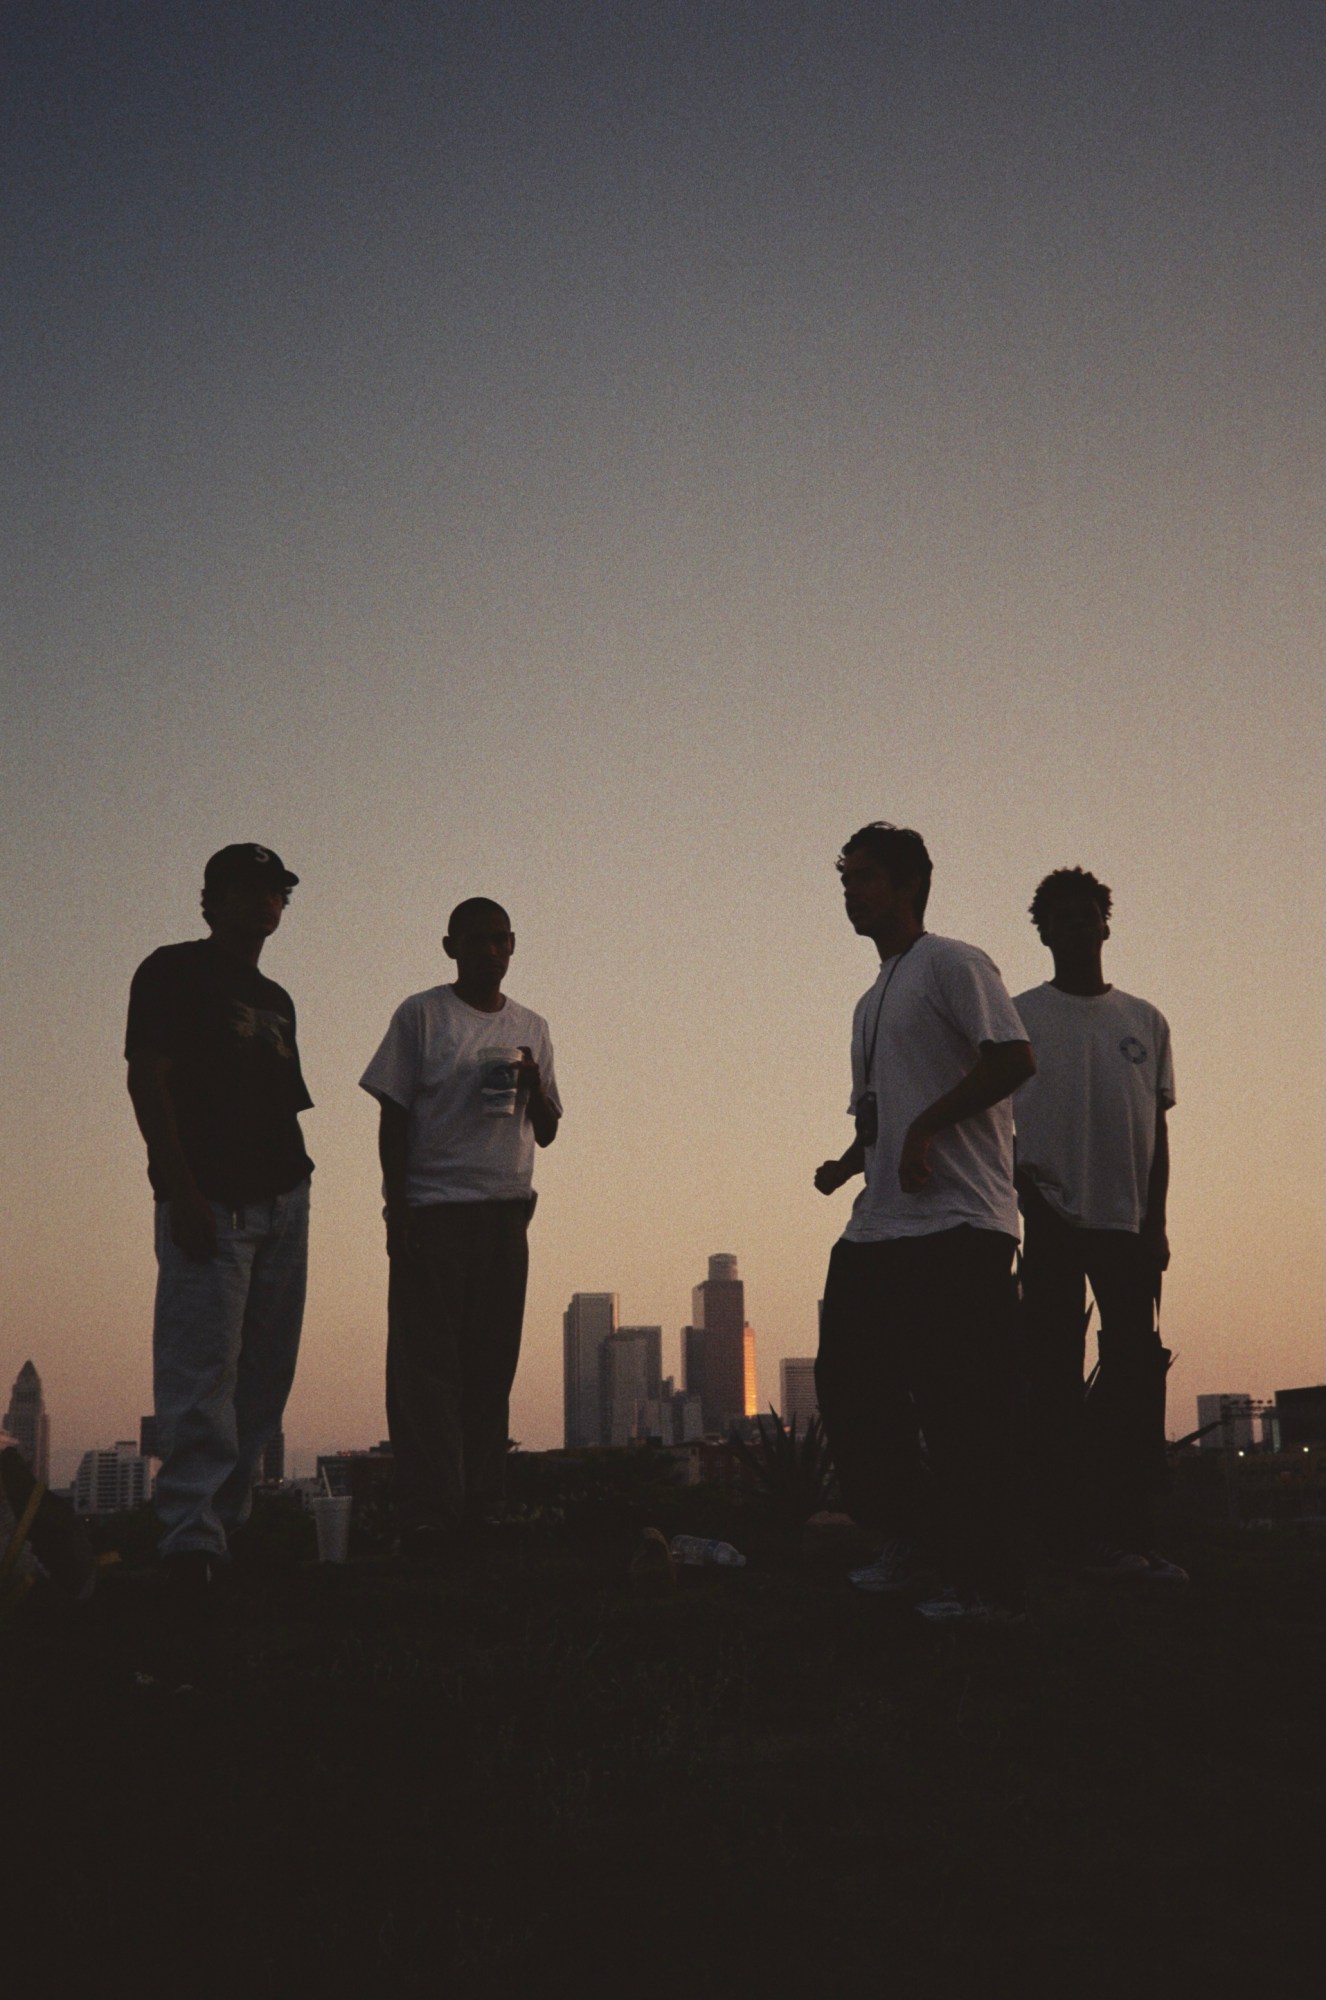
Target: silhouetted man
<point>465,1085</point>
<point>217,1090</point>
<point>1093,1174</point>
<point>918,1302</point>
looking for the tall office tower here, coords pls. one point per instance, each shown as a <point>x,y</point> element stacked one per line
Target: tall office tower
<point>1234,1415</point>
<point>109,1482</point>
<point>28,1424</point>
<point>271,1472</point>
<point>725,1350</point>
<point>586,1324</point>
<point>631,1375</point>
<point>149,1437</point>
<point>796,1386</point>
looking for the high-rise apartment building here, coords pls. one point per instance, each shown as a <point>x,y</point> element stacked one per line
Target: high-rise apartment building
<point>587,1322</point>
<point>28,1424</point>
<point>718,1347</point>
<point>796,1385</point>
<point>109,1482</point>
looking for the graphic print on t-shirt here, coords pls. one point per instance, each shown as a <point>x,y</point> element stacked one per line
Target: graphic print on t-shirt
<point>260,1024</point>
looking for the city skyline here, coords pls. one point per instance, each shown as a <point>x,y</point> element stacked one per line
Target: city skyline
<point>599,458</point>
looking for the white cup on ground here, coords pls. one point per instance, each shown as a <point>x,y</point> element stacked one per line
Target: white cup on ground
<point>331,1518</point>
<point>499,1081</point>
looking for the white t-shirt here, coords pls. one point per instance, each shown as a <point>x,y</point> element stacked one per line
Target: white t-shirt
<point>943,1000</point>
<point>1086,1122</point>
<point>429,1064</point>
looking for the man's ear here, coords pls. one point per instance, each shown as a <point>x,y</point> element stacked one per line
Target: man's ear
<point>512,936</point>
<point>448,947</point>
<point>1105,930</point>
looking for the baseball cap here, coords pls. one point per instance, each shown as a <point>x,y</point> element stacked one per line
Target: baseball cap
<point>247,862</point>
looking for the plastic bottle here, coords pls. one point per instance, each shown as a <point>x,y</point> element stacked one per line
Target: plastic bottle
<point>695,1549</point>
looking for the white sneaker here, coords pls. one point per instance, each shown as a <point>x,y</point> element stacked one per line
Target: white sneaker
<point>953,1606</point>
<point>897,1569</point>
<point>1159,1569</point>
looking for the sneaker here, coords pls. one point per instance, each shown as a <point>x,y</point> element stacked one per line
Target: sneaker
<point>1102,1562</point>
<point>897,1569</point>
<point>954,1607</point>
<point>1159,1569</point>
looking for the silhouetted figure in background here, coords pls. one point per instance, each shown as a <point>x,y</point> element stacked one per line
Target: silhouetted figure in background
<point>216,1087</point>
<point>465,1085</point>
<point>918,1303</point>
<point>1093,1174</point>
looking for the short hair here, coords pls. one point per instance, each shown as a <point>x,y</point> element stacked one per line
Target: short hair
<point>1063,883</point>
<point>475,906</point>
<point>900,852</point>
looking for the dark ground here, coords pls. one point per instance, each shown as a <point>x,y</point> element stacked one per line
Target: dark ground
<point>521,1774</point>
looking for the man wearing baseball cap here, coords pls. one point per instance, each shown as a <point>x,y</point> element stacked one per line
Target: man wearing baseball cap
<point>216,1087</point>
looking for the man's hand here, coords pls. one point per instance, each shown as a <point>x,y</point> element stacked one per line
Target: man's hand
<point>831,1174</point>
<point>914,1170</point>
<point>193,1226</point>
<point>1155,1243</point>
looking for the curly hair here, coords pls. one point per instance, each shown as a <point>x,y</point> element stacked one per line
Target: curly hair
<point>900,852</point>
<point>1064,882</point>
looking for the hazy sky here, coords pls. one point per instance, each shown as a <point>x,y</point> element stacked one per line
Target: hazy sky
<point>597,455</point>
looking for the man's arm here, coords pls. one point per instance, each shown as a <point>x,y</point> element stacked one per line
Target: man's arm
<point>1157,1193</point>
<point>393,1152</point>
<point>831,1174</point>
<point>543,1113</point>
<point>192,1223</point>
<point>996,1074</point>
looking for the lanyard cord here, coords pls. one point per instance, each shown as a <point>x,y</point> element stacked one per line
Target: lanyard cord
<point>874,1032</point>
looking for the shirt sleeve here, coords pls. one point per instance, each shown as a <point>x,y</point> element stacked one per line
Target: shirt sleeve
<point>394,1070</point>
<point>155,1024</point>
<point>975,998</point>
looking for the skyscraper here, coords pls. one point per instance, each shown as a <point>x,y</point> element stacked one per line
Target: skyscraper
<point>110,1481</point>
<point>797,1403</point>
<point>719,1347</point>
<point>586,1324</point>
<point>28,1424</point>
<point>631,1375</point>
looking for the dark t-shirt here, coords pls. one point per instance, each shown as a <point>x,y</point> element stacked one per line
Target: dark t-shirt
<point>234,1080</point>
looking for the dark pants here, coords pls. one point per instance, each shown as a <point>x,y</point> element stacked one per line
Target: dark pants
<point>455,1305</point>
<point>916,1343</point>
<point>1100,1458</point>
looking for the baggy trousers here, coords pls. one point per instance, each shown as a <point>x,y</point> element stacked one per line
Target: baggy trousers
<point>455,1307</point>
<point>225,1338</point>
<point>916,1342</point>
<point>1099,1459</point>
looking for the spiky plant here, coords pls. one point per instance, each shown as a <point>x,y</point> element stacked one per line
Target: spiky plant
<point>792,1470</point>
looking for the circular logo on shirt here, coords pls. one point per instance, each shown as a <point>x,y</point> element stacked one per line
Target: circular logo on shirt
<point>1132,1049</point>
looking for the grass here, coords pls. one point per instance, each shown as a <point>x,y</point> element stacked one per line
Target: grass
<point>520,1775</point>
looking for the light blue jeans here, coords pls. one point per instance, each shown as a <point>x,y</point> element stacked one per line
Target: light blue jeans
<point>225,1338</point>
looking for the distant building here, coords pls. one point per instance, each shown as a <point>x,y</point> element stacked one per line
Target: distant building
<point>796,1384</point>
<point>587,1322</point>
<point>1234,1417</point>
<point>361,1473</point>
<point>112,1481</point>
<point>1301,1416</point>
<point>630,1374</point>
<point>271,1471</point>
<point>149,1437</point>
<point>28,1424</point>
<point>719,1347</point>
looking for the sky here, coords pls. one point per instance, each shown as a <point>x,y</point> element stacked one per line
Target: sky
<point>597,456</point>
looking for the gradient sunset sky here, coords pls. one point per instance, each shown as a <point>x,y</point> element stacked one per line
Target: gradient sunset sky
<point>598,455</point>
